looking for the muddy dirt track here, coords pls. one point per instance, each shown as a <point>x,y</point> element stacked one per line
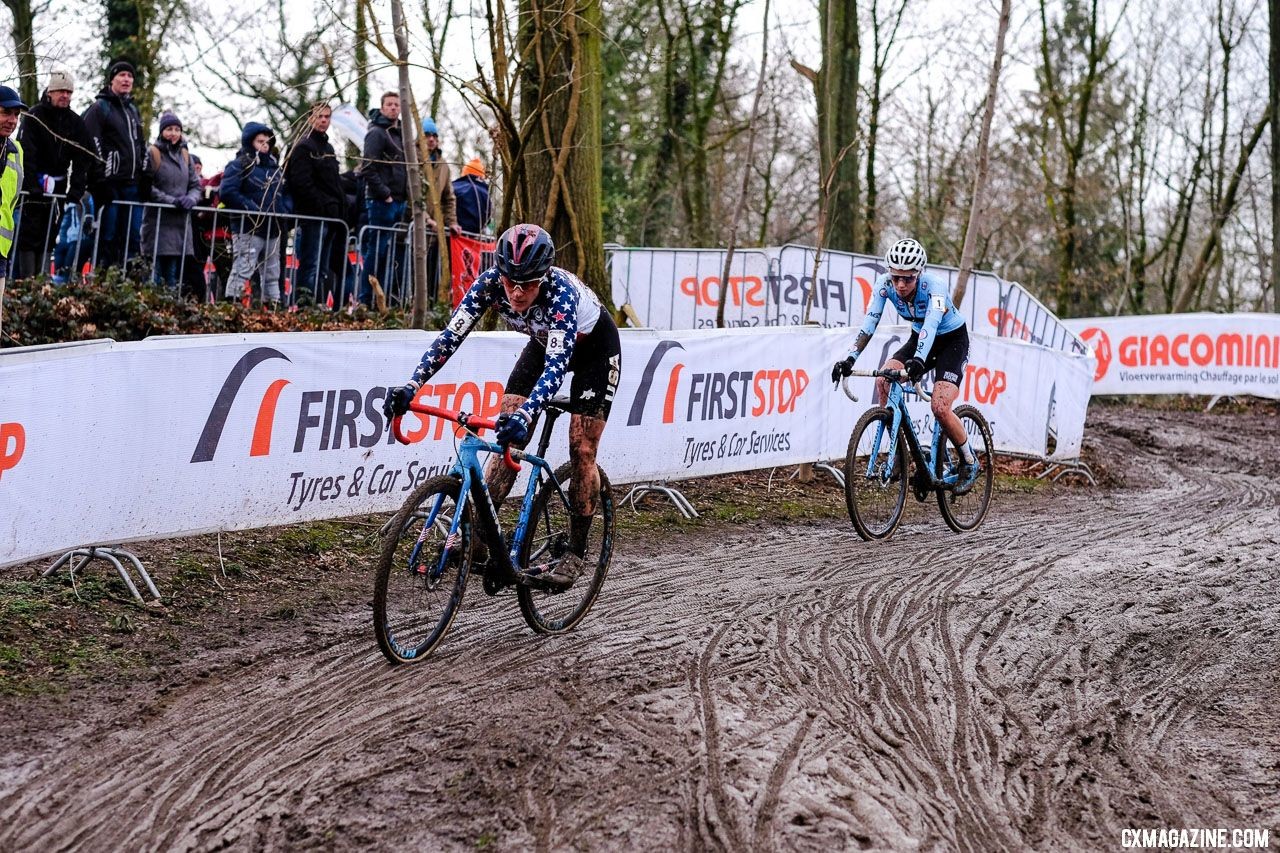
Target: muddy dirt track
<point>1090,660</point>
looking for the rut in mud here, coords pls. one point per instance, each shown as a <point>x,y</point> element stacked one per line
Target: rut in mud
<point>1089,660</point>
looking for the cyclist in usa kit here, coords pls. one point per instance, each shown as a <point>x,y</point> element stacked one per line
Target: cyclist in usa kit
<point>569,333</point>
<point>939,341</point>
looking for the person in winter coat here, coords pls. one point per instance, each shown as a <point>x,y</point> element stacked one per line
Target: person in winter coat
<point>312,178</point>
<point>386,185</point>
<point>11,107</point>
<point>59,156</point>
<point>116,128</point>
<point>472,194</point>
<point>254,182</point>
<point>166,236</point>
<point>436,173</point>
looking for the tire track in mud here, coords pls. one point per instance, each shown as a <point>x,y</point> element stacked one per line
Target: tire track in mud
<point>1030,684</point>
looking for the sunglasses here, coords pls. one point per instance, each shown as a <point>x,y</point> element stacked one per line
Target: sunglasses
<point>521,285</point>
<point>904,278</point>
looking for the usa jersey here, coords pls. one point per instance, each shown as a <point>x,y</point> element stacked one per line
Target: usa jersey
<point>563,310</point>
<point>930,312</point>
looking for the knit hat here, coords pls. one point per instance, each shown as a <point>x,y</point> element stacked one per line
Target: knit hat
<point>61,81</point>
<point>169,120</point>
<point>120,65</point>
<point>474,167</point>
<point>429,126</point>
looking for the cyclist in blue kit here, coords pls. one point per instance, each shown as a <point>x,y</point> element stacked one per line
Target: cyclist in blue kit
<point>939,341</point>
<point>569,331</point>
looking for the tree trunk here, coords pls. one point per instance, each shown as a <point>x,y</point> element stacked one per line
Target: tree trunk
<point>1194,284</point>
<point>409,133</point>
<point>736,217</point>
<point>362,59</point>
<point>837,90</point>
<point>980,178</point>
<point>561,84</point>
<point>1274,64</point>
<point>24,49</point>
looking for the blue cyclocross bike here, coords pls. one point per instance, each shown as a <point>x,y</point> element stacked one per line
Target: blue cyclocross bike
<point>429,547</point>
<point>875,466</point>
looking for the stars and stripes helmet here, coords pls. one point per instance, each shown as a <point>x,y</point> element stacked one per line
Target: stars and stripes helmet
<point>525,253</point>
<point>906,254</point>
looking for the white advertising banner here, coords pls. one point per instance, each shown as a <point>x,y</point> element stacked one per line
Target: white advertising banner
<point>184,435</point>
<point>680,289</point>
<point>1184,353</point>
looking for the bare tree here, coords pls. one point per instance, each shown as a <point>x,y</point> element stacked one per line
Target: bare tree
<point>560,84</point>
<point>837,90</point>
<point>1273,66</point>
<point>736,215</point>
<point>24,14</point>
<point>978,199</point>
<point>884,36</point>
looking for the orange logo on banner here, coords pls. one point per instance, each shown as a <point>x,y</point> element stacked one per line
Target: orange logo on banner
<point>468,258</point>
<point>1097,338</point>
<point>13,440</point>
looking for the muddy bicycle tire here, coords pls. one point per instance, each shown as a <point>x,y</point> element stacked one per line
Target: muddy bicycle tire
<point>418,590</point>
<point>548,612</point>
<point>965,512</point>
<point>875,503</point>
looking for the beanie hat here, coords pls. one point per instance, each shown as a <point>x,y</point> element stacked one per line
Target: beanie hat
<point>429,126</point>
<point>169,120</point>
<point>474,167</point>
<point>119,66</point>
<point>61,81</point>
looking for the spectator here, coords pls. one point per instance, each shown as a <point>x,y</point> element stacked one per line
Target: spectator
<point>11,107</point>
<point>386,191</point>
<point>436,171</point>
<point>472,194</point>
<point>116,129</point>
<point>167,235</point>
<point>312,176</point>
<point>254,182</point>
<point>213,236</point>
<point>59,157</point>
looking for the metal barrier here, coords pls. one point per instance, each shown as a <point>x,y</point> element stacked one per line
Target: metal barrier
<point>213,228</point>
<point>50,224</point>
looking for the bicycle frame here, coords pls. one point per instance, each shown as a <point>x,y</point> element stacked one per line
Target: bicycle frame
<point>901,417</point>
<point>474,487</point>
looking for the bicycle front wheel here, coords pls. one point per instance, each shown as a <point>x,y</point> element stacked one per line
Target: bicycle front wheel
<point>963,512</point>
<point>547,540</point>
<point>875,488</point>
<point>422,571</point>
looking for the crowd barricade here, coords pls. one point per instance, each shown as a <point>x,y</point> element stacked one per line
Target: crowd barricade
<point>59,236</point>
<point>386,253</point>
<point>679,289</point>
<point>205,264</point>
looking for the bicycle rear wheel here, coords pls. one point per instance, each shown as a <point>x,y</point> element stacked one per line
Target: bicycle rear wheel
<point>874,490</point>
<point>421,573</point>
<point>547,540</point>
<point>965,512</point>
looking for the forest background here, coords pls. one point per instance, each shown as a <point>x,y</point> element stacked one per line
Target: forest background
<point>1132,152</point>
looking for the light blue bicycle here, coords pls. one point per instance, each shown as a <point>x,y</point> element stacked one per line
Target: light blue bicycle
<point>429,546</point>
<point>875,466</point>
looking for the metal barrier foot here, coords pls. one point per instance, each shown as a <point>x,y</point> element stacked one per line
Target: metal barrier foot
<point>113,556</point>
<point>639,490</point>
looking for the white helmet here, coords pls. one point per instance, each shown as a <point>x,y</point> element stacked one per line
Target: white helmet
<point>906,254</point>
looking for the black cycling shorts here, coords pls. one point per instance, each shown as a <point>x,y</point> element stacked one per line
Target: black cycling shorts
<point>596,366</point>
<point>949,354</point>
